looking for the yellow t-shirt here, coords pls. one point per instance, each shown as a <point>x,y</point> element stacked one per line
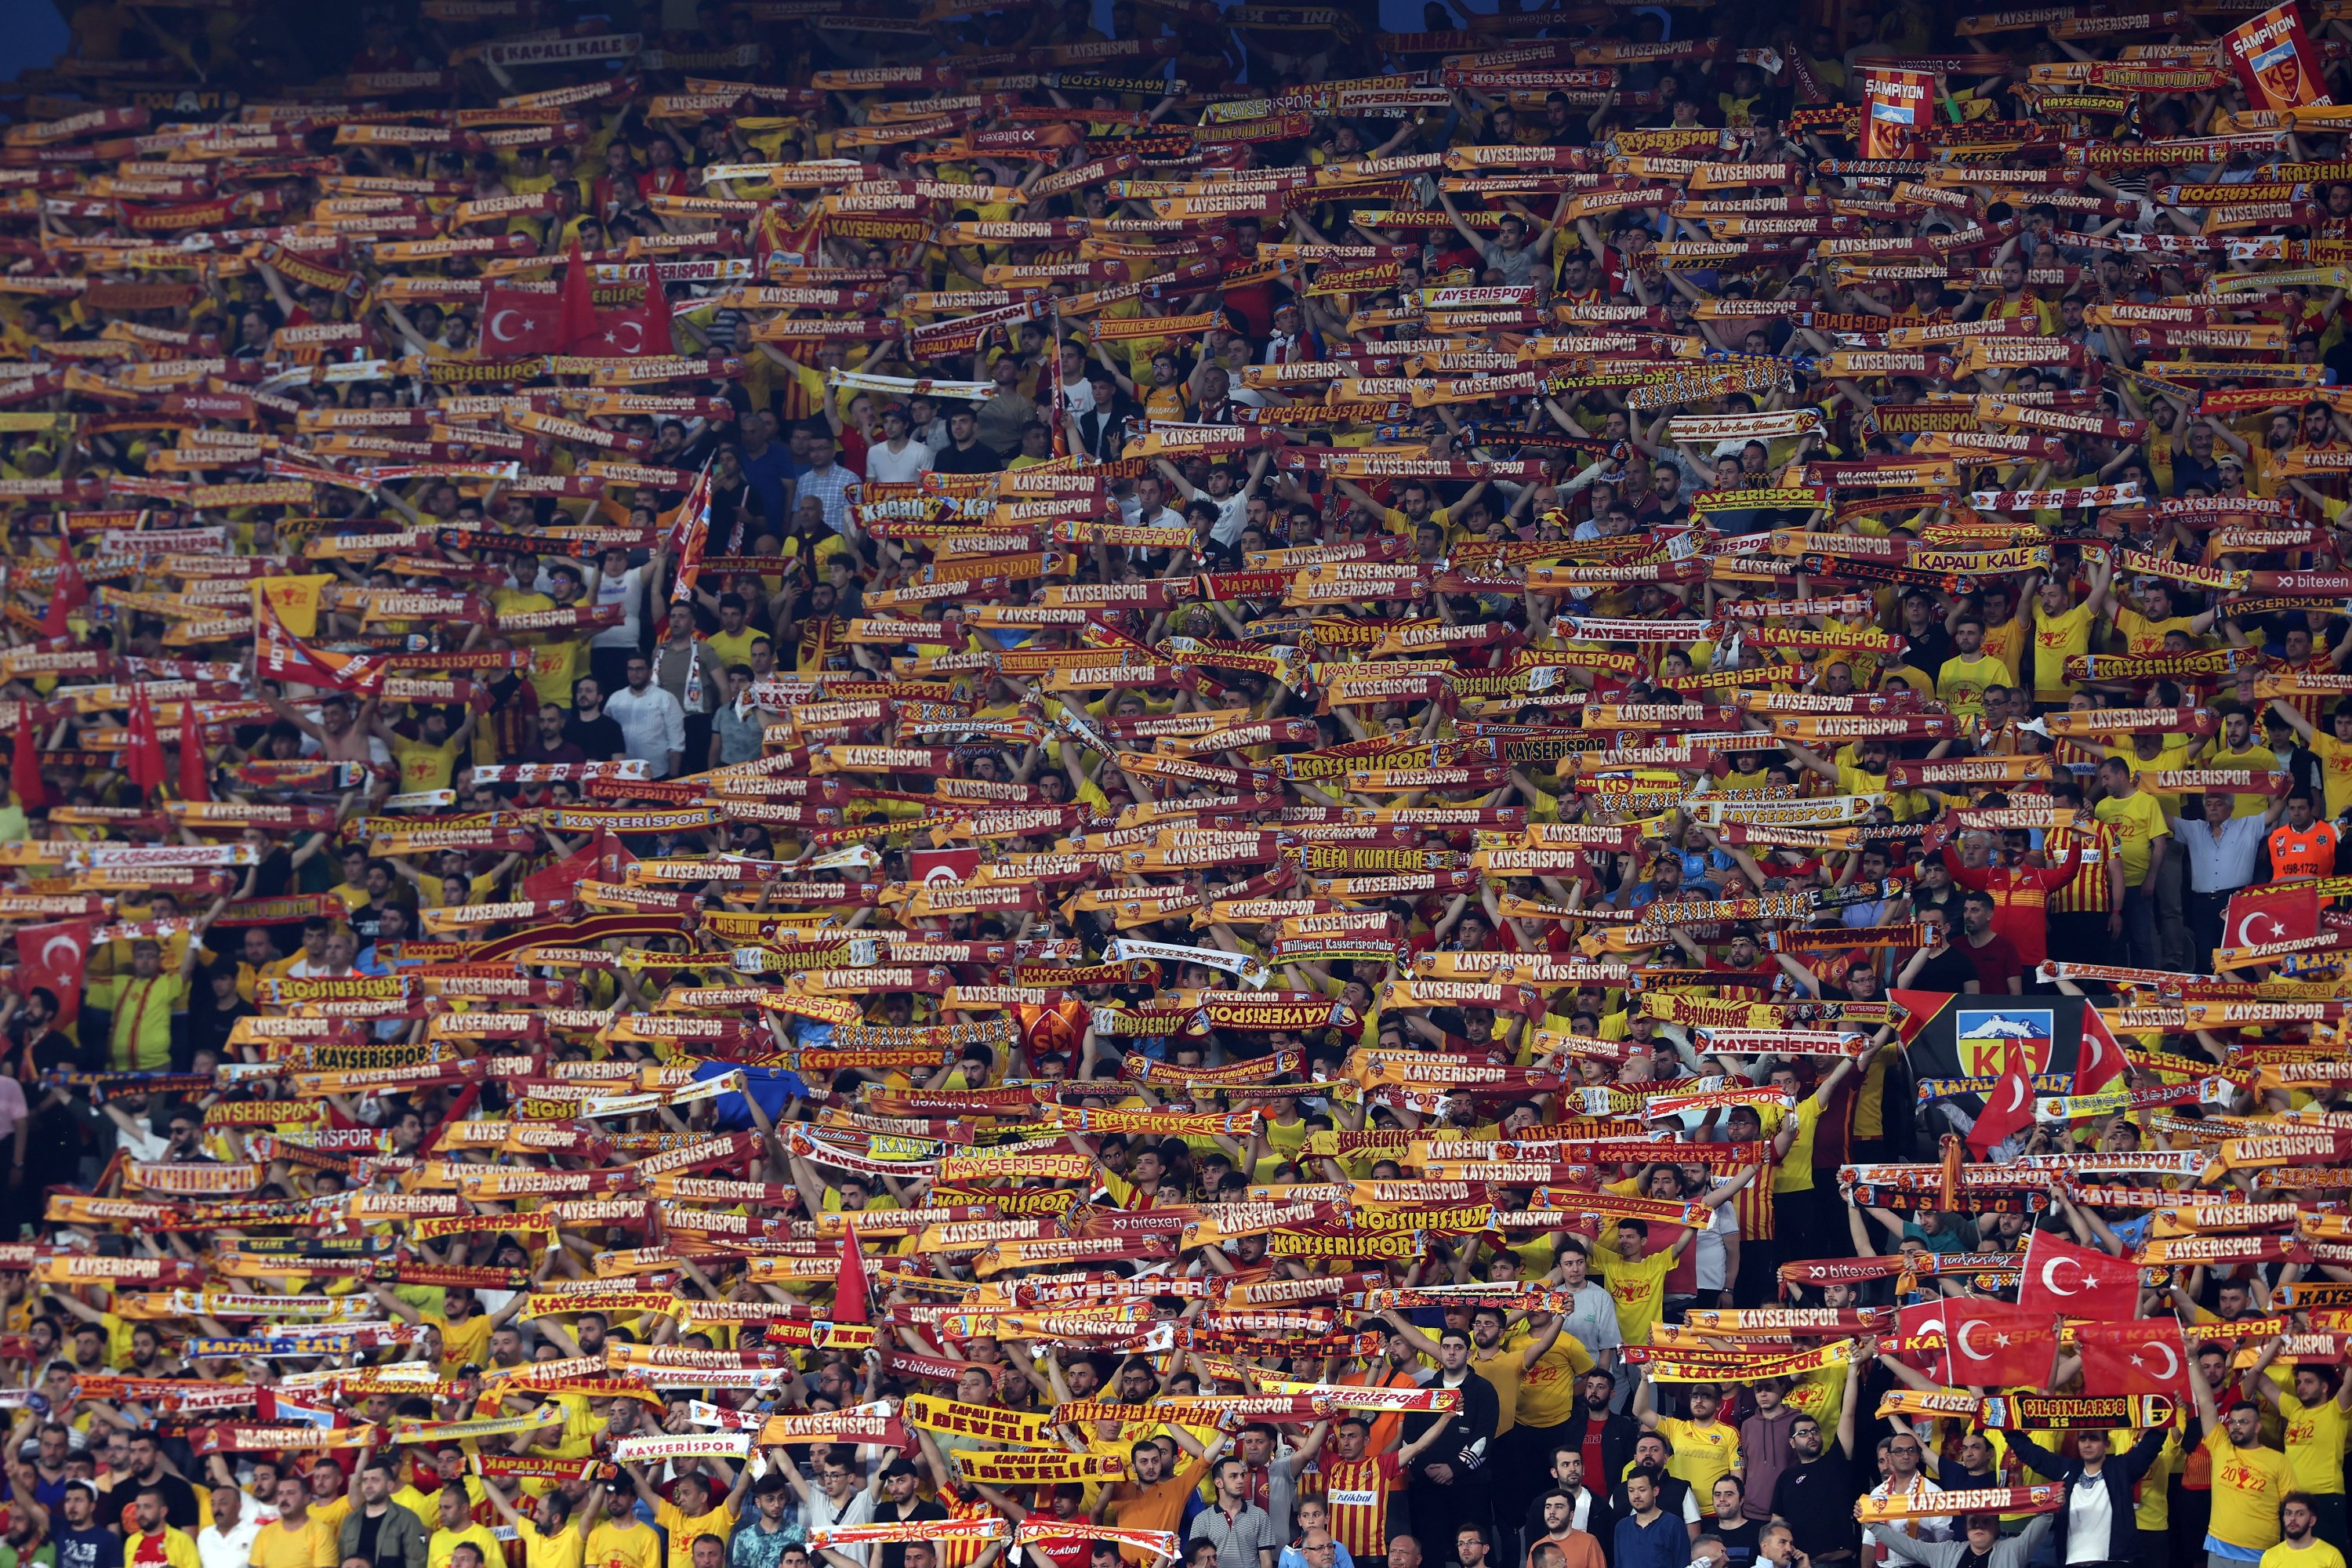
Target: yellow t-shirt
<point>2315,1442</point>
<point>1795,1172</point>
<point>309,1544</point>
<point>2138,823</point>
<point>2056,639</point>
<point>1547,1389</point>
<point>2312,1553</point>
<point>732,648</point>
<point>330,1515</point>
<point>567,1548</point>
<point>2248,1486</point>
<point>1961,682</point>
<point>445,1543</point>
<point>2260,758</point>
<point>1703,1454</point>
<point>2335,774</point>
<point>425,766</point>
<point>462,1342</point>
<point>719,1521</point>
<point>1639,1288</point>
<point>2143,637</point>
<point>635,1547</point>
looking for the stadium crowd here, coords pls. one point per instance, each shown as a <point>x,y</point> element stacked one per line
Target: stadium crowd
<point>847,787</point>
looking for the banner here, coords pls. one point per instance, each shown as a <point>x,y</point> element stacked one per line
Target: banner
<point>2275,61</point>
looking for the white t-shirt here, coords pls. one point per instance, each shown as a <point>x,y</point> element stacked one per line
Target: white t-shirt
<point>2090,1515</point>
<point>627,591</point>
<point>1079,396</point>
<point>1233,515</point>
<point>884,466</point>
<point>1711,1249</point>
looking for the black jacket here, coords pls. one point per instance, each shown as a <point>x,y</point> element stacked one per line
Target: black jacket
<point>2120,1474</point>
<point>1619,1433</point>
<point>1673,1498</point>
<point>1600,1519</point>
<point>1470,1444</point>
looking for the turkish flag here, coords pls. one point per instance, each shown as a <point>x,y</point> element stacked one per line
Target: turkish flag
<point>644,329</point>
<point>25,763</point>
<point>2099,1060</point>
<point>945,868</point>
<point>195,766</point>
<point>2008,1108</point>
<point>1992,1345</point>
<point>2077,1281</point>
<point>1917,1321</point>
<point>67,594</point>
<point>2271,914</point>
<point>144,764</point>
<point>54,956</point>
<point>575,313</point>
<point>515,323</point>
<point>849,1287</point>
<point>2145,1355</point>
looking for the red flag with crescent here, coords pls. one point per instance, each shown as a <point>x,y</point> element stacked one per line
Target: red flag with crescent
<point>53,957</point>
<point>2008,1108</point>
<point>67,594</point>
<point>516,322</point>
<point>1992,1345</point>
<point>2078,1281</point>
<point>2143,1355</point>
<point>849,1282</point>
<point>25,763</point>
<point>2099,1060</point>
<point>2271,914</point>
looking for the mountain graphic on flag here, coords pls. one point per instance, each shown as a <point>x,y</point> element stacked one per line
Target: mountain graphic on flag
<point>1985,1035</point>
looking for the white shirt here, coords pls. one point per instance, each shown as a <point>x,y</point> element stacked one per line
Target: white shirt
<point>1079,396</point>
<point>2090,1514</point>
<point>2218,862</point>
<point>1711,1249</point>
<point>652,724</point>
<point>627,592</point>
<point>1233,515</point>
<point>234,1550</point>
<point>1932,1527</point>
<point>884,466</point>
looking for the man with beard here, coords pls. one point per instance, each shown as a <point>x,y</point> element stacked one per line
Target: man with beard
<point>1671,1494</point>
<point>1815,1493</point>
<point>1578,1506</point>
<point>1503,1367</point>
<point>1359,1488</point>
<point>1451,1487</point>
<point>2299,1545</point>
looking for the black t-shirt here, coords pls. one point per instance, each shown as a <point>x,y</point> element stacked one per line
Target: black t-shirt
<point>272,876</point>
<point>600,737</point>
<point>1817,1500</point>
<point>210,1027</point>
<point>180,1511</point>
<point>894,1552</point>
<point>1947,971</point>
<point>1739,1540</point>
<point>980,459</point>
<point>1929,649</point>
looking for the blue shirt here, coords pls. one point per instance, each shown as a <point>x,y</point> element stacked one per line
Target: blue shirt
<point>766,475</point>
<point>1292,1557</point>
<point>1665,1543</point>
